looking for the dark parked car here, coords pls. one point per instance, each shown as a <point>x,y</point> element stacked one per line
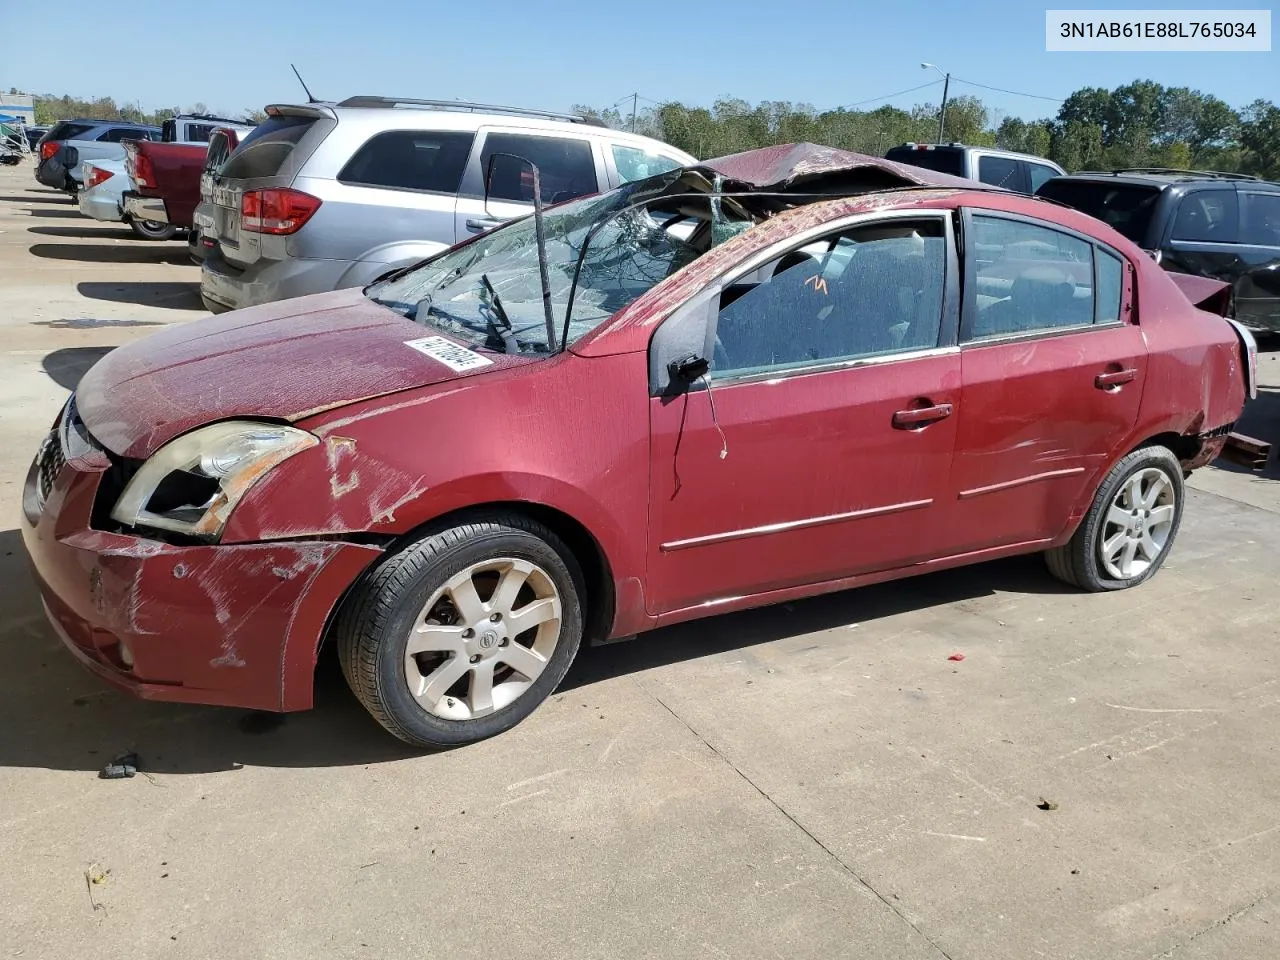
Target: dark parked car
<point>1021,172</point>
<point>764,377</point>
<point>69,143</point>
<point>1220,225</point>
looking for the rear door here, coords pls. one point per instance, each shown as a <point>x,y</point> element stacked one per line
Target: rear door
<point>569,167</point>
<point>1203,234</point>
<point>1053,368</point>
<point>1258,288</point>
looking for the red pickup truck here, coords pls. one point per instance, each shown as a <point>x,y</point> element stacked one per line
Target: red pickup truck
<point>166,175</point>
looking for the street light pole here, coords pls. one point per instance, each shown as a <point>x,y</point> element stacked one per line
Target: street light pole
<point>946,87</point>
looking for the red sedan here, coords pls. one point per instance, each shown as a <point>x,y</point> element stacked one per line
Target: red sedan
<point>765,377</point>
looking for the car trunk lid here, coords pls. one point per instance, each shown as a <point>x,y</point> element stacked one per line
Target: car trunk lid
<point>280,361</point>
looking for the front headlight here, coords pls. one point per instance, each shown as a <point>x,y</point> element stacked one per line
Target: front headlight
<point>191,484</point>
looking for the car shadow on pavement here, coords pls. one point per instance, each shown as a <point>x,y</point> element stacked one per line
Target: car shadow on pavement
<point>65,367</point>
<point>54,714</point>
<point>51,212</point>
<point>168,293</point>
<point>139,252</point>
<point>87,230</point>
<point>747,628</point>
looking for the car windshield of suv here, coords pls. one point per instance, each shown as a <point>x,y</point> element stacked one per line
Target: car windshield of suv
<point>1125,207</point>
<point>489,292</point>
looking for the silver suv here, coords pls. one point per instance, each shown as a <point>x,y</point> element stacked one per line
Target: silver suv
<point>328,195</point>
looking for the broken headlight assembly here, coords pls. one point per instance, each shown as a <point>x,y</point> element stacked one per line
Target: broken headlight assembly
<point>191,484</point>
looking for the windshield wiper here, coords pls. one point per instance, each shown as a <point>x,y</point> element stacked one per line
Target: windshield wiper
<point>501,326</point>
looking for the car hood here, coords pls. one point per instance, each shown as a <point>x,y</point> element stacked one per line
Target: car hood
<point>280,361</point>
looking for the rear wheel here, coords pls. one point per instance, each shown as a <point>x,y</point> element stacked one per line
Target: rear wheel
<point>1130,528</point>
<point>461,635</point>
<point>153,230</point>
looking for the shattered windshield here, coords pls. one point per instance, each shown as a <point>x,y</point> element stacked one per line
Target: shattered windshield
<point>489,293</point>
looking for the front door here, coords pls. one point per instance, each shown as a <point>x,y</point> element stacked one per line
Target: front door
<point>822,447</point>
<point>568,167</point>
<point>1053,371</point>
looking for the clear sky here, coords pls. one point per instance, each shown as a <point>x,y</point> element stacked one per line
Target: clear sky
<point>235,54</point>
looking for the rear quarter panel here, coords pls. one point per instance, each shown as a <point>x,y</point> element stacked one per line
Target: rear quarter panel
<point>1196,377</point>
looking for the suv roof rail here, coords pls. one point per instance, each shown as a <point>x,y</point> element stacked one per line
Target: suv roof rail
<point>466,105</point>
<point>210,116</point>
<point>1211,174</point>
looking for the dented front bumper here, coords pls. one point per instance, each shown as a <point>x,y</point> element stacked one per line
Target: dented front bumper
<point>236,625</point>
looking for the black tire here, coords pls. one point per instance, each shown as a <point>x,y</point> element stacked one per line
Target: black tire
<point>1078,561</point>
<point>148,230</point>
<point>376,620</point>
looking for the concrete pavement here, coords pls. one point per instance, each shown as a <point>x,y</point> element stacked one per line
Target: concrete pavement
<point>811,780</point>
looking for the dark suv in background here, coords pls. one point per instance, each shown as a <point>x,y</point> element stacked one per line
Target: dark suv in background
<point>1020,172</point>
<point>61,153</point>
<point>1220,225</point>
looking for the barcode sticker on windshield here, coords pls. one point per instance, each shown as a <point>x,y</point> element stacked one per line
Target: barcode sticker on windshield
<point>453,356</point>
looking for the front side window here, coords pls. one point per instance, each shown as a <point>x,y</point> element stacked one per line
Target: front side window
<point>116,134</point>
<point>1207,216</point>
<point>1040,175</point>
<point>411,160</point>
<point>865,292</point>
<point>1262,219</point>
<point>1026,278</point>
<point>998,171</point>
<point>636,164</point>
<point>566,167</point>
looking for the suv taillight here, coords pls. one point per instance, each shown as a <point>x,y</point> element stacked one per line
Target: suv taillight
<point>48,149</point>
<point>279,212</point>
<point>96,175</point>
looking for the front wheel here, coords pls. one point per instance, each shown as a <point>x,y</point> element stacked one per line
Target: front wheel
<point>461,635</point>
<point>1130,528</point>
<point>153,230</point>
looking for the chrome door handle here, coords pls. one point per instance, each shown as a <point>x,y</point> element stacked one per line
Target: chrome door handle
<point>479,225</point>
<point>921,416</point>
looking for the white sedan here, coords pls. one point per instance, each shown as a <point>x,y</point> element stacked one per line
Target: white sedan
<point>102,198</point>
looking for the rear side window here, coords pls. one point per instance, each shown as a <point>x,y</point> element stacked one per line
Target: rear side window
<point>199,132</point>
<point>1110,283</point>
<point>116,134</point>
<point>1261,219</point>
<point>1208,216</point>
<point>636,164</point>
<point>264,151</point>
<point>411,160</point>
<point>946,160</point>
<point>169,131</point>
<point>1026,278</point>
<point>999,172</point>
<point>66,130</point>
<point>1040,175</point>
<point>1126,208</point>
<point>566,167</point>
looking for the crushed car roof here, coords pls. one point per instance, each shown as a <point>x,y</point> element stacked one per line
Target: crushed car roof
<point>787,166</point>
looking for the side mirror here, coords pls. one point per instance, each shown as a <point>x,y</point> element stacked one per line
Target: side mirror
<point>688,368</point>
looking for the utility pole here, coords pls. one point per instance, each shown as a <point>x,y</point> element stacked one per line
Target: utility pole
<point>946,86</point>
<point>635,97</point>
<point>942,114</point>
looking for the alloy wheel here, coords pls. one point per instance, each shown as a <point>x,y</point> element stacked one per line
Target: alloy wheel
<point>1137,525</point>
<point>483,639</point>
